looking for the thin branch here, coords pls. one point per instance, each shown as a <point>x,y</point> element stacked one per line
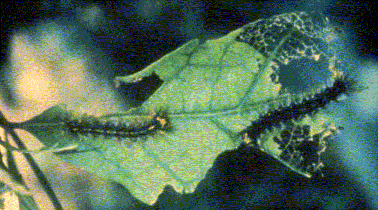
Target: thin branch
<point>38,172</point>
<point>52,149</point>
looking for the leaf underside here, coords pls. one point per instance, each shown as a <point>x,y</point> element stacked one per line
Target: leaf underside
<point>211,92</point>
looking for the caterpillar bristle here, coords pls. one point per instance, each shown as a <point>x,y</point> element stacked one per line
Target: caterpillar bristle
<point>352,85</point>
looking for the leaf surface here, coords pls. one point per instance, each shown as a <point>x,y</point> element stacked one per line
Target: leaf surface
<point>211,92</point>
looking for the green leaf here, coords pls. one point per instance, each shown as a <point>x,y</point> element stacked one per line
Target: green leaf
<point>211,92</point>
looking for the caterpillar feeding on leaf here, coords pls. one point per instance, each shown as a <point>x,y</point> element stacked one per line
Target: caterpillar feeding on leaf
<point>296,110</point>
<point>132,131</point>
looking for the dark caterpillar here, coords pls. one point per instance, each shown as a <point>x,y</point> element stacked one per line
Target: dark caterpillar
<point>297,110</point>
<point>110,128</point>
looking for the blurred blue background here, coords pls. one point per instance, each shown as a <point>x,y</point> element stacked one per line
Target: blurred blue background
<point>122,37</point>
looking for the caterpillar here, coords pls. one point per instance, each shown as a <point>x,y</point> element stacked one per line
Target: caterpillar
<point>309,105</point>
<point>110,128</point>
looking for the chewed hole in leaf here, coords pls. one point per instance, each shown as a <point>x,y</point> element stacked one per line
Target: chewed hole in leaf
<point>301,149</point>
<point>303,74</point>
<point>297,33</point>
<point>139,90</point>
<point>300,43</point>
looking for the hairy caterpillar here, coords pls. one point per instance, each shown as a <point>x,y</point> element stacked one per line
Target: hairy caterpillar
<point>110,128</point>
<point>296,110</point>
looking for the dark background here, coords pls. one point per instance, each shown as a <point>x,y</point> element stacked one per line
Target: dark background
<point>133,34</point>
